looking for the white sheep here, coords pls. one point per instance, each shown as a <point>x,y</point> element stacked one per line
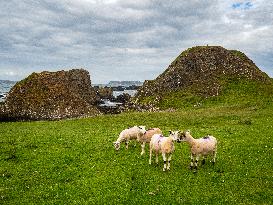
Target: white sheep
<point>129,134</point>
<point>146,138</point>
<point>164,145</point>
<point>201,147</point>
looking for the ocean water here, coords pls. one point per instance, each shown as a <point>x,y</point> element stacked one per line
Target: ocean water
<point>5,87</point>
<point>130,92</point>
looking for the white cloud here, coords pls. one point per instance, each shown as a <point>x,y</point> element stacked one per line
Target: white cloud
<point>127,39</point>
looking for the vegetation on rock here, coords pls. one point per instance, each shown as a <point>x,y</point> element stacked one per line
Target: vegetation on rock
<point>202,74</point>
<point>51,95</point>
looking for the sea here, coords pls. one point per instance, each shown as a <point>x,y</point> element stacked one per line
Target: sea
<point>6,85</point>
<point>130,92</point>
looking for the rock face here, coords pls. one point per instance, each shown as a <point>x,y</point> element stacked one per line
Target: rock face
<point>51,95</point>
<point>123,98</point>
<point>202,70</point>
<point>104,93</point>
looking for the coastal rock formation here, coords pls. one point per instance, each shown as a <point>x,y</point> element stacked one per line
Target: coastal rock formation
<point>203,67</point>
<point>201,71</point>
<point>104,92</point>
<point>123,98</point>
<point>51,95</point>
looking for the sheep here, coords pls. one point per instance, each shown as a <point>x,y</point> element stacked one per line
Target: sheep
<point>129,134</point>
<point>146,138</point>
<point>201,147</point>
<point>164,145</point>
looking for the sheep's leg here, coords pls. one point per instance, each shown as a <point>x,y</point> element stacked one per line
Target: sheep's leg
<point>214,156</point>
<point>156,157</point>
<point>204,160</point>
<point>192,160</point>
<point>196,162</point>
<point>127,144</point>
<point>165,161</point>
<point>169,162</point>
<point>151,152</point>
<point>142,148</point>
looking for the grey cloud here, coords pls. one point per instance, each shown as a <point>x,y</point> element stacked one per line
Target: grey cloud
<point>120,40</point>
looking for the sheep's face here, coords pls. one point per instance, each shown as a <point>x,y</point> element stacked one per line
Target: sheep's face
<point>116,145</point>
<point>183,136</point>
<point>142,129</point>
<point>175,135</point>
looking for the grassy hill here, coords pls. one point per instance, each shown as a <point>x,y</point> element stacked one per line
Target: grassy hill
<point>236,92</point>
<point>74,161</point>
<point>207,75</point>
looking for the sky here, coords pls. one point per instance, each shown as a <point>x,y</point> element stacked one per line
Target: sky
<point>127,39</point>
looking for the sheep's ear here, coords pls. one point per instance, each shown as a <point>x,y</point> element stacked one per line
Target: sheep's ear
<point>170,131</point>
<point>142,127</point>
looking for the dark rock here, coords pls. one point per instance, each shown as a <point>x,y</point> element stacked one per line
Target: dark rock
<point>111,110</point>
<point>132,87</point>
<point>104,93</point>
<point>51,95</point>
<point>123,98</point>
<point>118,88</point>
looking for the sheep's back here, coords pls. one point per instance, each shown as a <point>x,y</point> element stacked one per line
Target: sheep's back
<point>131,133</point>
<point>204,145</point>
<point>154,143</point>
<point>149,134</point>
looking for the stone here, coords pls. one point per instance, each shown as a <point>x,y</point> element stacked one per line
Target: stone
<point>51,96</point>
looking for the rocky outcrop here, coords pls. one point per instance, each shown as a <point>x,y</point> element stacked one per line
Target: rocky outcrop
<point>51,95</point>
<point>104,92</point>
<point>202,70</point>
<point>123,98</point>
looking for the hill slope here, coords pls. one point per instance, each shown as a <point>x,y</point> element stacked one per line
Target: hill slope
<point>203,72</point>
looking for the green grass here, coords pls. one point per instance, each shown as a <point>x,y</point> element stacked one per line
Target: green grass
<point>234,92</point>
<point>74,161</point>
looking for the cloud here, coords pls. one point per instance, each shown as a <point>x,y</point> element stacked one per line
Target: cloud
<point>126,39</point>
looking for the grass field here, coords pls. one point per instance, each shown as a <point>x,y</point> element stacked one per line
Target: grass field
<point>74,161</point>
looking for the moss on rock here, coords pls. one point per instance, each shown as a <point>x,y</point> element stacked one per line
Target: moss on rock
<point>51,95</point>
<point>201,71</point>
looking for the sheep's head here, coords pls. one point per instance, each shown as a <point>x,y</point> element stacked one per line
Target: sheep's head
<point>175,135</point>
<point>116,145</point>
<point>142,129</point>
<point>183,135</point>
